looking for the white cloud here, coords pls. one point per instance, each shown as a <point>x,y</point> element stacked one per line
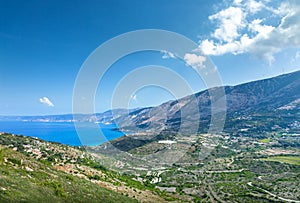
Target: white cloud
<point>46,101</point>
<point>167,54</point>
<point>230,21</point>
<point>254,6</point>
<point>261,30</point>
<point>254,34</point>
<point>237,2</point>
<point>196,61</point>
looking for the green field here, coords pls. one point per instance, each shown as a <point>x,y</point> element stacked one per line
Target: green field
<point>266,140</point>
<point>285,159</point>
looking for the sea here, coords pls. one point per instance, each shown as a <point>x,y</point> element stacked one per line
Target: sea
<point>87,134</point>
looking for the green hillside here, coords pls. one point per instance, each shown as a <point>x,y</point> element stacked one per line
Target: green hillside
<point>24,179</point>
<point>33,170</point>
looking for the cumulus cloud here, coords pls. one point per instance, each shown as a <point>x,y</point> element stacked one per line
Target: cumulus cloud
<point>230,21</point>
<point>254,6</point>
<point>248,26</point>
<point>237,2</point>
<point>167,54</point>
<point>194,60</point>
<point>46,101</point>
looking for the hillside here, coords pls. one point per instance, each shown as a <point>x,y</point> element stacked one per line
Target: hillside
<point>33,170</point>
<point>261,96</point>
<point>25,179</point>
<point>257,106</point>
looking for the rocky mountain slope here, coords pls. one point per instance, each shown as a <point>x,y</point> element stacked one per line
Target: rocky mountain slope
<point>266,95</point>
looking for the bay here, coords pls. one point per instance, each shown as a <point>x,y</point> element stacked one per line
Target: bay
<point>63,132</point>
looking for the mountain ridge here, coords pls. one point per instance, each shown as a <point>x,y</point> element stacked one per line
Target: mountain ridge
<point>262,95</point>
<point>245,97</point>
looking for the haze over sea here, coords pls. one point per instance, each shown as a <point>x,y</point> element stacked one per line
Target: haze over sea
<point>62,132</point>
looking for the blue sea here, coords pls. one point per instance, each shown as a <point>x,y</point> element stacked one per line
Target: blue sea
<point>63,132</point>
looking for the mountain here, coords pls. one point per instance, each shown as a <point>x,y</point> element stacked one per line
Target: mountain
<point>268,95</point>
<point>279,93</point>
<point>193,113</point>
<point>256,156</point>
<point>254,108</point>
<point>105,117</point>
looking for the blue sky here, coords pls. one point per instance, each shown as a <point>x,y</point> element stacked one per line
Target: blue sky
<point>43,45</point>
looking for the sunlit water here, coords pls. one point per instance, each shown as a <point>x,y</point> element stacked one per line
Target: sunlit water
<point>63,132</point>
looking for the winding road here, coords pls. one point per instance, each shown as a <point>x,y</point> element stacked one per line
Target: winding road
<point>274,195</point>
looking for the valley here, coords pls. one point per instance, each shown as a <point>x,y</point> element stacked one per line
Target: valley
<point>218,168</point>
